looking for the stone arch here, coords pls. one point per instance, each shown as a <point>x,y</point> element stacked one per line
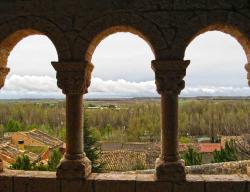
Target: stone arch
<point>230,23</point>
<point>12,31</point>
<point>227,22</point>
<point>95,32</point>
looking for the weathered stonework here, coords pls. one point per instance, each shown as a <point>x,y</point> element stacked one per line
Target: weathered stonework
<point>74,169</point>
<point>170,171</point>
<point>169,81</point>
<point>33,181</point>
<point>247,67</point>
<point>232,167</point>
<point>3,73</point>
<point>73,78</point>
<point>76,27</point>
<point>1,165</point>
<point>169,75</point>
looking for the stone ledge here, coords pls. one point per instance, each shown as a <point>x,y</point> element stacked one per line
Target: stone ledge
<point>34,181</point>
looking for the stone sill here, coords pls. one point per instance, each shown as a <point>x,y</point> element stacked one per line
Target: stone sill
<point>34,181</point>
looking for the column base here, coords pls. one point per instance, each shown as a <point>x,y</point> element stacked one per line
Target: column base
<point>74,169</point>
<point>170,171</point>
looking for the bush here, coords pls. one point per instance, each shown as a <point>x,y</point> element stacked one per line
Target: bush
<point>40,167</point>
<point>91,148</point>
<point>22,163</point>
<point>54,160</point>
<point>229,153</point>
<point>192,157</point>
<point>13,126</point>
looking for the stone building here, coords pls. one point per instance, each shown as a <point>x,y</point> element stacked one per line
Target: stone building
<point>35,138</point>
<point>9,153</point>
<point>76,27</point>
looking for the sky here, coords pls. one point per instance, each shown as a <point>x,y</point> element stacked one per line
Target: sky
<point>123,68</point>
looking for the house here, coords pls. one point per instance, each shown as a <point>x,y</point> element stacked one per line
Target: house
<point>9,153</point>
<point>36,144</point>
<point>35,138</point>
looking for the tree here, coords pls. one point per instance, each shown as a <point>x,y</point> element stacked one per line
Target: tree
<point>13,126</point>
<point>192,157</point>
<point>91,148</point>
<point>229,153</point>
<point>54,160</point>
<point>22,163</point>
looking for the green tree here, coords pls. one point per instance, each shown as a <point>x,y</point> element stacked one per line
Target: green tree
<point>192,157</point>
<point>13,126</point>
<point>91,148</point>
<point>22,163</point>
<point>229,153</point>
<point>54,160</point>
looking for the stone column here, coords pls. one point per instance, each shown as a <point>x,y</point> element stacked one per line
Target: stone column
<point>74,80</point>
<point>247,67</point>
<point>3,73</point>
<point>169,81</point>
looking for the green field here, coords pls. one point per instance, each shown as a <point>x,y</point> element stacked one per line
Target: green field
<point>131,119</point>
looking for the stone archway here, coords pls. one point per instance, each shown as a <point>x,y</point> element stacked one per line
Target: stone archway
<point>227,22</point>
<point>96,31</point>
<point>15,30</point>
<point>12,31</point>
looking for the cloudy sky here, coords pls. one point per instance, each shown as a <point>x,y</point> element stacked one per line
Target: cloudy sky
<point>122,68</point>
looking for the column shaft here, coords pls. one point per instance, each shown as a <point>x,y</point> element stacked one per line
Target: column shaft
<point>169,126</point>
<point>3,73</point>
<point>74,123</point>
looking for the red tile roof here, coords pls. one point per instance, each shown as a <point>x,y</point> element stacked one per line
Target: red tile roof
<point>209,147</point>
<point>201,147</point>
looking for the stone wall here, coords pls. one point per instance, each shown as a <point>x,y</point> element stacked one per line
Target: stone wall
<point>233,167</point>
<point>77,26</point>
<point>21,181</point>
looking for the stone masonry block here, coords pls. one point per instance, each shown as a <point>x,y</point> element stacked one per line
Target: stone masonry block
<point>194,183</point>
<point>6,184</point>
<point>224,183</point>
<point>114,183</point>
<point>147,182</point>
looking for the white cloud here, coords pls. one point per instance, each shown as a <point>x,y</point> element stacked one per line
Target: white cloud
<point>207,90</point>
<point>46,87</point>
<point>121,86</point>
<point>17,86</point>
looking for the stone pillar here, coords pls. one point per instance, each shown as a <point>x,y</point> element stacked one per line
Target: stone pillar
<point>3,73</point>
<point>74,80</point>
<point>247,67</point>
<point>169,81</point>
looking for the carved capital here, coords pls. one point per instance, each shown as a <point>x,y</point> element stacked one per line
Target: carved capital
<point>169,75</point>
<point>3,73</point>
<point>73,77</point>
<point>247,67</point>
